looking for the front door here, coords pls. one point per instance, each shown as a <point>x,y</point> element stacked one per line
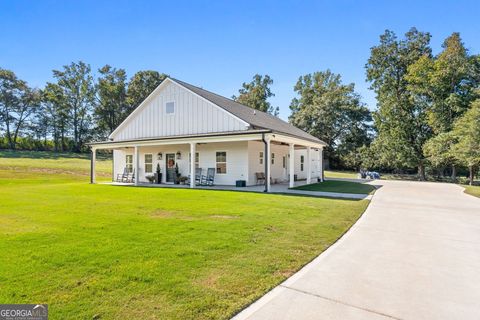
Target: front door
<point>170,165</point>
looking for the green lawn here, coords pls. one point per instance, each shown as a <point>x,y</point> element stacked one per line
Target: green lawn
<point>341,174</point>
<point>473,190</point>
<point>339,186</point>
<point>145,253</point>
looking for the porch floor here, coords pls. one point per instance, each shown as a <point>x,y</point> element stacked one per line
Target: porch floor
<point>279,188</point>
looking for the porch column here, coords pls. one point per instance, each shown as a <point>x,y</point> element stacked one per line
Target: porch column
<point>291,165</point>
<point>268,165</point>
<point>192,164</point>
<point>309,166</point>
<point>135,164</point>
<point>92,165</point>
<point>320,152</point>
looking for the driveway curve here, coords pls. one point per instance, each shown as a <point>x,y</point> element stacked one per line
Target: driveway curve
<point>414,254</point>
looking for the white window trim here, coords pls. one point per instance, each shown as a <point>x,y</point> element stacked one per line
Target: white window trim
<point>197,163</point>
<point>129,163</point>
<point>145,163</point>
<point>226,162</point>
<point>174,108</point>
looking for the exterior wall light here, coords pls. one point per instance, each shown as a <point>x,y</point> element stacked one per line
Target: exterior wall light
<point>159,156</point>
<point>179,155</point>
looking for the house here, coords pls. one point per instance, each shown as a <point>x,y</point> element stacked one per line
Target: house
<point>178,120</point>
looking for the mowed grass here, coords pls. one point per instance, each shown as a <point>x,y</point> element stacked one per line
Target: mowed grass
<point>339,187</point>
<point>473,190</point>
<point>107,252</point>
<point>341,174</point>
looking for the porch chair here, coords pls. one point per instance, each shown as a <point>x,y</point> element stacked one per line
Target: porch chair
<point>260,176</point>
<point>209,179</point>
<point>121,177</point>
<point>131,177</point>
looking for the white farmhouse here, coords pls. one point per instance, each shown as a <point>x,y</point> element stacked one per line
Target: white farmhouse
<point>236,142</point>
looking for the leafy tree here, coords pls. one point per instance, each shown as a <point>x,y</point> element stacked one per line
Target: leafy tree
<point>17,103</point>
<point>111,107</point>
<point>331,111</point>
<point>438,151</point>
<point>445,84</point>
<point>78,91</point>
<point>141,85</point>
<point>401,124</point>
<point>55,110</point>
<point>467,132</point>
<point>255,94</point>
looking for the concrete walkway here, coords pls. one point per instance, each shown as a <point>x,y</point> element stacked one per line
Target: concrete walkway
<point>414,254</point>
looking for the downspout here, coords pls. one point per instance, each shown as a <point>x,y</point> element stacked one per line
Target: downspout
<point>265,161</point>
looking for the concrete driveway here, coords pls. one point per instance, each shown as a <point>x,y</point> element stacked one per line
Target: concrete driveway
<point>414,254</point>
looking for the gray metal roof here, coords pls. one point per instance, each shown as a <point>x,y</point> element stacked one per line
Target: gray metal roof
<point>257,119</point>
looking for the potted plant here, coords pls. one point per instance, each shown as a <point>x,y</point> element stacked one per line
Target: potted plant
<point>177,175</point>
<point>158,174</point>
<point>183,179</point>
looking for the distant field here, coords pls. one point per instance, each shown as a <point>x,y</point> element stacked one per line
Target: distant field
<point>109,252</point>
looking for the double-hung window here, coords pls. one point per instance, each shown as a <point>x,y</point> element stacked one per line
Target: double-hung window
<point>302,161</point>
<point>260,157</point>
<point>129,163</point>
<point>148,163</point>
<point>197,159</point>
<point>221,159</point>
<point>273,158</point>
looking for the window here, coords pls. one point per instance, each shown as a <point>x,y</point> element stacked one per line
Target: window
<point>261,157</point>
<point>129,163</point>
<point>221,162</point>
<point>273,158</point>
<point>170,108</point>
<point>284,162</point>
<point>148,163</point>
<point>302,161</point>
<point>197,159</point>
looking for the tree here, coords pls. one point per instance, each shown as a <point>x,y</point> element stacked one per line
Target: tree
<point>445,85</point>
<point>56,111</point>
<point>331,111</point>
<point>438,151</point>
<point>141,85</point>
<point>255,94</point>
<point>111,107</point>
<point>76,83</point>
<point>400,122</point>
<point>17,103</point>
<point>467,132</point>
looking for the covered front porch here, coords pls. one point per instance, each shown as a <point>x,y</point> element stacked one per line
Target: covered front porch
<point>263,161</point>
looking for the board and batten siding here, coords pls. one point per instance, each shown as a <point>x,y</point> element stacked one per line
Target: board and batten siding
<point>193,115</point>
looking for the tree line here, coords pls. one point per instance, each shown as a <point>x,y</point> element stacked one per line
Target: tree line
<point>427,116</point>
<point>74,109</point>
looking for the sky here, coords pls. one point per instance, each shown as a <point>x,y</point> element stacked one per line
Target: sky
<point>218,45</point>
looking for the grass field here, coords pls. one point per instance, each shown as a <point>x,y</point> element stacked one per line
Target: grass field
<point>106,252</point>
<point>339,187</point>
<point>473,190</point>
<point>341,174</point>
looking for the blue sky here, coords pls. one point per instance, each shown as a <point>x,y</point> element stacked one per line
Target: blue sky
<point>220,44</point>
